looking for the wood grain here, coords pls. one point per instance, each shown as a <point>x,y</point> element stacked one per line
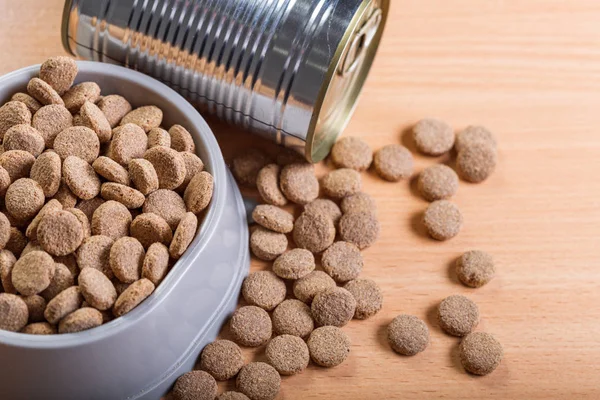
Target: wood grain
<point>530,71</point>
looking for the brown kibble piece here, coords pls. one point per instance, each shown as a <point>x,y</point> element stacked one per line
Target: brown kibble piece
<point>47,171</point>
<point>314,232</point>
<point>245,167</point>
<point>433,136</point>
<point>143,175</point>
<point>61,280</point>
<point>230,395</point>
<point>458,315</point>
<point>169,166</point>
<point>259,381</point>
<point>4,230</point>
<point>263,289</point>
<point>294,264</point>
<point>32,104</point>
<point>17,163</point>
<point>273,218</point>
<point>50,121</point>
<point>125,195</point>
<point>90,206</point>
<point>475,268</point>
<point>146,117</point>
<point>32,273</point>
<point>111,219</point>
<point>251,326</point>
<point>340,183</point>
<point>81,178</point>
<point>4,181</point>
<point>292,317</point>
<point>266,244</point>
<point>393,162</point>
<point>193,166</point>
<point>480,353</point>
<point>13,312</point>
<point>24,198</point>
<point>111,170</point>
<point>167,204</point>
<point>16,242</point>
<point>63,304</point>
<point>352,152</point>
<point>60,233</point>
<point>126,259</point>
<point>83,219</point>
<point>24,137</point>
<point>40,328</point>
<point>326,207</point>
<point>222,359</point>
<point>368,296</point>
<point>129,141</point>
<point>299,183</point>
<point>307,287</point>
<point>342,261</point>
<point>80,320</point>
<point>51,206</point>
<point>59,72</point>
<point>334,307</point>
<point>184,234</point>
<point>199,192</point>
<point>114,107</point>
<point>137,292</point>
<point>11,114</point>
<point>77,141</point>
<point>76,96</point>
<point>442,219</point>
<point>195,385</point>
<point>329,346</point>
<point>92,117</point>
<point>35,306</point>
<point>42,92</point>
<point>97,289</point>
<point>149,228</point>
<point>437,182</point>
<point>267,182</point>
<point>407,335</point>
<point>65,196</point>
<point>287,354</point>
<point>158,137</point>
<point>359,228</point>
<point>156,263</point>
<point>181,139</point>
<point>94,252</point>
<point>473,136</point>
<point>476,163</point>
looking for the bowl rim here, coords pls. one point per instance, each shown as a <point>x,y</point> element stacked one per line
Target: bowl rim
<point>216,165</point>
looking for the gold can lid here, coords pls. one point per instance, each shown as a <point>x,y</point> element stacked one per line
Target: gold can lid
<point>346,77</point>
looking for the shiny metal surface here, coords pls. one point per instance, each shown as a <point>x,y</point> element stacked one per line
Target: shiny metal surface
<point>264,65</point>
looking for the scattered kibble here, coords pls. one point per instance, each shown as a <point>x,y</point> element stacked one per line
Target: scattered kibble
<point>408,335</point>
<point>476,163</point>
<point>251,326</point>
<point>352,152</point>
<point>195,385</point>
<point>267,245</point>
<point>360,228</point>
<point>294,264</point>
<point>263,289</point>
<point>222,359</point>
<point>475,268</point>
<point>326,207</point>
<point>342,261</point>
<point>307,287</point>
<point>292,317</point>
<point>259,381</point>
<point>480,353</point>
<point>433,136</point>
<point>334,307</point>
<point>368,296</point>
<point>267,182</point>
<point>358,202</point>
<point>340,183</point>
<point>443,220</point>
<point>314,232</point>
<point>287,354</point>
<point>437,182</point>
<point>474,136</point>
<point>299,183</point>
<point>393,162</point>
<point>458,315</point>
<point>273,218</point>
<point>328,346</point>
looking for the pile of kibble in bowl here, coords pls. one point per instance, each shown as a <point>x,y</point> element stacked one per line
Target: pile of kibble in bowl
<point>296,309</point>
<point>98,201</point>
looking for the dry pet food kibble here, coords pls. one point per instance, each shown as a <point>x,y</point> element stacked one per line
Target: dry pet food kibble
<point>63,304</point>
<point>267,245</point>
<point>32,104</point>
<point>263,289</point>
<point>156,263</point>
<point>94,252</point>
<point>267,182</point>
<point>307,287</point>
<point>458,315</point>
<point>114,107</point>
<point>199,192</point>
<point>433,136</point>
<point>287,354</point>
<point>167,204</point>
<point>35,306</point>
<point>17,163</point>
<point>42,92</point>
<point>128,142</point>
<point>475,136</point>
<point>442,219</point>
<point>245,168</point>
<point>158,137</point>
<point>437,182</point>
<point>126,259</point>
<point>76,96</point>
<point>131,297</point>
<point>352,152</point>
<point>24,137</point>
<point>125,195</point>
<point>195,385</point>
<point>334,307</point>
<point>81,178</point>
<point>11,114</point>
<point>50,121</point>
<point>368,296</point>
<point>92,117</point>
<point>80,320</point>
<point>13,312</point>
<point>149,228</point>
<point>294,264</point>
<point>97,289</point>
<point>47,172</point>
<point>63,279</point>
<point>251,326</point>
<point>111,170</point>
<point>393,162</point>
<point>258,381</point>
<point>299,183</point>
<point>24,198</point>
<point>342,261</point>
<point>292,317</point>
<point>325,206</point>
<point>329,346</point>
<point>358,202</point>
<point>111,219</point>
<point>475,268</point>
<point>223,359</point>
<point>408,335</point>
<point>169,166</point>
<point>476,163</point>
<point>273,218</point>
<point>359,228</point>
<point>480,353</point>
<point>181,139</point>
<point>33,272</point>
<point>59,72</point>
<point>340,183</point>
<point>314,232</point>
<point>143,175</point>
<point>40,328</point>
<point>146,117</point>
<point>60,233</point>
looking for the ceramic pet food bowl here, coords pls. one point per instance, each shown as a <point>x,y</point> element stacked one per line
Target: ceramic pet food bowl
<point>140,355</point>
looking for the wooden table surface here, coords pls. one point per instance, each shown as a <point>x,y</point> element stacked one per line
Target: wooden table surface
<point>528,70</point>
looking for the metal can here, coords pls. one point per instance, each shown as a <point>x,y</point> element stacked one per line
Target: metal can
<point>291,70</point>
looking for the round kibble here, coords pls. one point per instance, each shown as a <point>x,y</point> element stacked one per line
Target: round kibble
<point>158,137</point>
<point>149,228</point>
<point>222,359</point>
<point>292,317</point>
<point>88,207</point>
<point>437,182</point>
<point>329,346</point>
<point>61,280</point>
<point>77,141</point>
<point>167,204</point>
<point>307,287</point>
<point>129,141</point>
<point>299,183</point>
<point>408,335</point>
<point>245,168</point>
<point>32,273</point>
<point>81,178</point>
<point>42,92</point>
<point>111,170</point>
<point>146,117</point>
<point>184,234</point>
<point>13,312</point>
<point>63,304</point>
<point>393,162</point>
<point>24,198</point>
<point>7,262</point>
<point>47,172</point>
<point>352,152</point>
<point>267,245</point>
<point>342,261</point>
<point>368,296</point>
<point>263,289</point>
<point>334,307</point>
<point>267,182</point>
<point>59,72</point>
<point>433,136</point>
<point>193,166</point>
<point>17,163</point>
<point>181,139</point>
<point>294,264</point>
<point>442,219</point>
<point>359,228</point>
<point>169,166</point>
<point>195,385</point>
<point>476,163</point>
<point>273,218</point>
<point>93,118</point>
<point>11,114</point>
<point>80,320</point>
<point>4,230</point>
<point>60,233</point>
<point>50,121</point>
<point>85,223</point>
<point>126,259</point>
<point>458,315</point>
<point>40,328</point>
<point>143,176</point>
<point>4,181</point>
<point>131,297</point>
<point>65,196</point>
<point>125,195</point>
<point>35,306</point>
<point>199,192</point>
<point>24,137</point>
<point>325,206</point>
<point>340,183</point>
<point>232,396</point>
<point>156,263</point>
<point>314,232</point>
<point>111,219</point>
<point>287,354</point>
<point>259,381</point>
<point>475,268</point>
<point>76,96</point>
<point>473,136</point>
<point>251,326</point>
<point>97,289</point>
<point>16,242</point>
<point>32,104</point>
<point>114,107</point>
<point>480,353</point>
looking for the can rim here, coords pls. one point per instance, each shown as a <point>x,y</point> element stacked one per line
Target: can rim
<point>65,27</point>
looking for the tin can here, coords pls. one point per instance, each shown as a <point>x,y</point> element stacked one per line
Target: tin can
<point>291,70</point>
